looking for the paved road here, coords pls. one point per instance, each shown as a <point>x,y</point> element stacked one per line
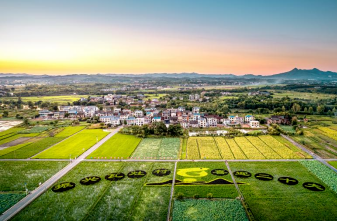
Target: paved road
<point>172,191</point>
<point>41,189</point>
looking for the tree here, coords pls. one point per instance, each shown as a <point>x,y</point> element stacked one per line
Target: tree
<point>294,121</point>
<point>25,122</point>
<point>160,129</point>
<point>175,130</point>
<point>320,109</point>
<point>311,110</point>
<point>283,109</point>
<point>5,114</point>
<point>296,108</point>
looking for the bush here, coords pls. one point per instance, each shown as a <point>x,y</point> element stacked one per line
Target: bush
<point>209,195</point>
<point>180,196</point>
<point>196,196</point>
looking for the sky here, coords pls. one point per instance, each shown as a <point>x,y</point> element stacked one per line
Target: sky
<point>167,36</point>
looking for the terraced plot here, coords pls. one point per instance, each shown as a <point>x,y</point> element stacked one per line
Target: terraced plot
<point>272,200</point>
<point>118,146</point>
<point>74,145</point>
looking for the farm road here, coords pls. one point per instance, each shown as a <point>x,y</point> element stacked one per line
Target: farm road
<point>41,189</point>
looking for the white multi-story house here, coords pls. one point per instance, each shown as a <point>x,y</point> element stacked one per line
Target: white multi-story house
<point>254,124</point>
<point>202,122</point>
<point>138,113</point>
<point>131,120</point>
<point>249,118</point>
<point>196,116</point>
<point>113,120</point>
<point>140,121</point>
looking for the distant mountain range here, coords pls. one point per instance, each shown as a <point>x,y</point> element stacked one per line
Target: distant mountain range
<point>295,74</point>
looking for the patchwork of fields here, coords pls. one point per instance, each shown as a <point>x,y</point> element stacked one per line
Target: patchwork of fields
<point>262,147</point>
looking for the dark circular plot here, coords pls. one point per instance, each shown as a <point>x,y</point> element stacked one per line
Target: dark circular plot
<point>313,186</point>
<point>63,187</point>
<point>264,176</point>
<point>115,176</point>
<point>288,180</point>
<point>242,174</point>
<point>219,172</point>
<point>136,174</point>
<point>90,180</point>
<point>161,172</point>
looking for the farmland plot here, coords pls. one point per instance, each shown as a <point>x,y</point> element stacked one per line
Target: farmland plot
<point>120,145</point>
<point>224,148</point>
<point>31,149</point>
<point>68,131</point>
<point>148,148</point>
<point>263,147</point>
<point>208,148</point>
<point>192,149</point>
<point>74,145</point>
<point>329,132</point>
<point>237,151</point>
<point>250,151</point>
<point>169,148</point>
<point>273,200</point>
<point>209,210</point>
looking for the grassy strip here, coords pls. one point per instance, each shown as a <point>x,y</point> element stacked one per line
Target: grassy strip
<point>68,131</point>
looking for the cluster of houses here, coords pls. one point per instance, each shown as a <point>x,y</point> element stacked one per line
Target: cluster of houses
<point>117,116</point>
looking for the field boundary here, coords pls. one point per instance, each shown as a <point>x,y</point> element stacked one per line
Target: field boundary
<point>217,148</point>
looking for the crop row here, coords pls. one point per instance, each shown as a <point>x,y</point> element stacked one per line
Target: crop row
<point>250,150</point>
<point>329,132</point>
<point>208,148</point>
<point>192,149</point>
<point>263,147</point>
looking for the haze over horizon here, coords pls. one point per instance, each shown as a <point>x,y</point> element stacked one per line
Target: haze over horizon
<point>132,37</point>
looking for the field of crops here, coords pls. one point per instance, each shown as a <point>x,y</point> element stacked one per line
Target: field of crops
<point>208,210</point>
<point>272,200</point>
<point>262,147</point>
<point>70,130</point>
<point>9,199</point>
<point>74,145</point>
<point>329,132</point>
<point>28,150</point>
<point>157,148</point>
<point>126,199</point>
<point>196,172</point>
<point>118,146</point>
<point>13,134</point>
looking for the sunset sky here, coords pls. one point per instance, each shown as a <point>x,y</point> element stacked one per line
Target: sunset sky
<point>167,36</point>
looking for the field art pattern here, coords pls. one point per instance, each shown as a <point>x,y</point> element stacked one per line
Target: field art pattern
<point>118,146</point>
<point>208,210</point>
<point>155,148</point>
<point>74,145</point>
<point>250,147</point>
<point>126,199</point>
<point>275,201</point>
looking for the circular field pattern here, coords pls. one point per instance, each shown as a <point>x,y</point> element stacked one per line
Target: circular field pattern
<point>161,172</point>
<point>219,172</point>
<point>313,186</point>
<point>264,176</point>
<point>136,174</point>
<point>115,176</point>
<point>63,187</point>
<point>242,174</point>
<point>288,180</point>
<point>90,180</point>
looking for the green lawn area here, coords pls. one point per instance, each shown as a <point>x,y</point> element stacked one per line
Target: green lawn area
<point>272,200</point>
<point>201,171</point>
<point>30,149</point>
<point>120,145</point>
<point>68,131</point>
<point>73,146</point>
<point>157,148</point>
<point>14,174</point>
<point>288,129</point>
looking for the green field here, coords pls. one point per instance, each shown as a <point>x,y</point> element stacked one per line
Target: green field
<point>14,174</point>
<point>192,172</point>
<point>13,134</point>
<point>302,95</point>
<point>157,148</point>
<point>120,145</point>
<point>272,200</point>
<point>68,131</point>
<point>333,163</point>
<point>209,210</point>
<point>28,150</point>
<point>74,145</point>
<point>126,199</point>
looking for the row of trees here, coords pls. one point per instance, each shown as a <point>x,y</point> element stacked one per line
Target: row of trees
<point>157,129</point>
